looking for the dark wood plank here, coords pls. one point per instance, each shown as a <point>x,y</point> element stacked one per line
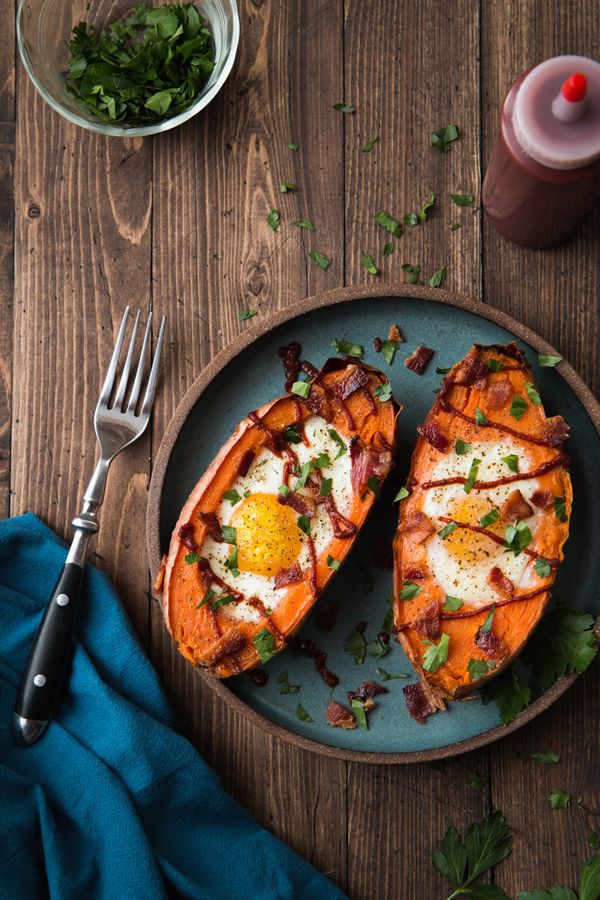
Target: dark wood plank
<point>7,155</point>
<point>404,95</point>
<point>557,293</point>
<point>215,180</point>
<point>82,253</point>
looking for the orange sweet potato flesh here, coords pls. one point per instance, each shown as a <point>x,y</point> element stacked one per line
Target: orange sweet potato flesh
<point>215,640</point>
<point>469,385</point>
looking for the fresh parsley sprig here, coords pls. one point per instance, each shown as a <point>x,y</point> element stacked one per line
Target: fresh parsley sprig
<point>462,861</point>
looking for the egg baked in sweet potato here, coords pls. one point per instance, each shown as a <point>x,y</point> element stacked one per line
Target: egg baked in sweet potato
<point>482,530</point>
<point>275,514</point>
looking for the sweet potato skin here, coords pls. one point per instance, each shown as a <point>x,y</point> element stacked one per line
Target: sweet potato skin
<point>469,385</point>
<point>216,641</point>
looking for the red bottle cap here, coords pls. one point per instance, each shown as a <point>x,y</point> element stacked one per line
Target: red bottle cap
<point>574,88</point>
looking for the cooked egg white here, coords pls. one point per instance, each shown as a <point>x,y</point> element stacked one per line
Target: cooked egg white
<point>461,562</point>
<point>268,536</point>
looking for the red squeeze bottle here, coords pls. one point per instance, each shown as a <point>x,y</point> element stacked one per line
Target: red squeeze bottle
<point>544,172</point>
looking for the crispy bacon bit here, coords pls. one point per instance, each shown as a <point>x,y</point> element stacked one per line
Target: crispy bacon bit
<point>417,702</point>
<point>308,369</point>
<point>490,644</point>
<point>413,574</point>
<point>419,526</point>
<point>367,462</point>
<point>309,648</point>
<point>432,434</point>
<point>555,431</point>
<point>288,576</point>
<point>244,463</point>
<point>230,644</point>
<point>356,378</point>
<point>471,370</point>
<point>338,716</point>
<point>211,523</point>
<point>394,334</point>
<point>186,536</point>
<point>428,623</point>
<point>377,344</point>
<point>383,556</point>
<point>417,361</point>
<point>498,393</point>
<point>366,690</point>
<point>326,616</point>
<point>542,499</point>
<point>498,580</point>
<point>160,575</point>
<point>383,636</point>
<point>290,357</point>
<point>304,506</point>
<point>317,403</point>
<point>259,677</point>
<point>515,507</point>
<point>342,527</point>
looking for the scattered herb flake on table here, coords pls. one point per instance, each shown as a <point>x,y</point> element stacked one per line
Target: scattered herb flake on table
<point>548,361</point>
<point>247,314</point>
<point>348,348</point>
<point>476,781</point>
<point>390,224</point>
<point>370,144</point>
<point>369,264</point>
<point>463,199</point>
<point>273,219</point>
<point>437,278</point>
<point>410,219</point>
<point>286,187</point>
<point>389,676</point>
<point>304,223</point>
<point>303,715</point>
<point>422,215</point>
<point>442,138</point>
<point>293,147</point>
<point>321,260</point>
<point>546,757</point>
<point>286,687</point>
<point>388,248</point>
<point>455,226</point>
<point>144,68</point>
<point>343,107</point>
<point>412,271</point>
<point>356,645</point>
<point>559,799</point>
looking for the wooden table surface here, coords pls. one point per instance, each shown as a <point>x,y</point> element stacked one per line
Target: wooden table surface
<point>176,223</point>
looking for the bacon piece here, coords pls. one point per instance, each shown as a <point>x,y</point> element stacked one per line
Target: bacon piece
<point>434,436</point>
<point>338,716</point>
<point>417,361</point>
<point>542,499</point>
<point>366,462</point>
<point>342,527</point>
<point>471,370</point>
<point>498,580</point>
<point>413,574</point>
<point>186,536</point>
<point>288,576</point>
<point>309,648</point>
<point>498,393</point>
<point>367,690</point>
<point>244,463</point>
<point>304,506</point>
<point>419,526</point>
<point>213,529</point>
<point>555,431</point>
<point>377,344</point>
<point>317,403</point>
<point>395,335</point>
<point>493,646</point>
<point>290,356</point>
<point>418,702</point>
<point>428,623</point>
<point>515,507</point>
<point>357,378</point>
<point>308,369</point>
<point>232,643</point>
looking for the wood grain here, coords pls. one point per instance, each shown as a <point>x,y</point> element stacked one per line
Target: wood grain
<point>177,224</point>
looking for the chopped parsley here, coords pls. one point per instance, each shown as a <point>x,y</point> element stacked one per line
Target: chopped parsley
<point>455,227</point>
<point>356,646</point>
<point>542,567</point>
<point>532,393</point>
<point>293,147</point>
<point>386,221</point>
<point>410,590</point>
<point>383,392</point>
<point>548,361</point>
<point>437,278</point>
<point>301,388</point>
<point>247,314</point>
<point>559,799</point>
<point>401,495</point>
<point>389,676</point>
<point>411,219</point>
<point>388,248</point>
<point>191,558</point>
<point>232,563</point>
<point>283,490</point>
<point>321,260</point>
<point>304,223</point>
<point>333,563</point>
<point>451,604</point>
<point>462,199</point>
<point>479,668</point>
<point>461,448</point>
<point>229,534</point>
<point>345,108</point>
<point>286,687</point>
<point>265,645</point>
<point>518,407</point>
<point>545,757</point>
<point>559,509</point>
<point>302,714</point>
<point>442,138</point>
<point>480,416</point>
<point>338,440</point>
<point>224,600</point>
<point>273,219</point>
<point>358,708</point>
<point>388,350</point>
<point>373,485</point>
<point>422,215</point>
<point>472,476</point>
<point>368,263</point>
<point>232,496</point>
<point>489,518</point>
<point>286,187</point>
<point>347,348</point>
<point>495,365</point>
<point>518,536</point>
<point>447,530</point>
<point>207,598</point>
<point>436,654</point>
<point>510,693</point>
<point>370,144</point>
<point>413,272</point>
<point>512,461</point>
<point>377,648</point>
<point>487,625</point>
<point>304,524</point>
<point>476,781</point>
<point>325,487</point>
<point>292,434</point>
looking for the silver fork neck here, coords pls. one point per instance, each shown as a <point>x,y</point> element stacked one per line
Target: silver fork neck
<point>86,523</point>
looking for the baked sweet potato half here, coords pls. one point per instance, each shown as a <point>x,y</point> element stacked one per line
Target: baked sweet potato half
<point>275,514</point>
<point>482,530</point>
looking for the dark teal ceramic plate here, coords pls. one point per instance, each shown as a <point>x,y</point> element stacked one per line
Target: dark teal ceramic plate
<point>249,374</point>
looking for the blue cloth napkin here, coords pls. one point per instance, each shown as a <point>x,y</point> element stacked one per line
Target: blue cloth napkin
<point>112,802</point>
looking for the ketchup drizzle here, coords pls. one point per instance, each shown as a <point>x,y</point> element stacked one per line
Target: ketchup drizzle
<point>447,407</point>
<point>504,601</point>
<point>561,459</point>
<point>497,539</point>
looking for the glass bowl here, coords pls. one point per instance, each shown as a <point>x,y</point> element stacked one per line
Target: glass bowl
<point>44,27</point>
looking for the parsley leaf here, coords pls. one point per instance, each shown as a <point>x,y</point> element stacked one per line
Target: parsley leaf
<point>286,687</point>
<point>462,199</point>
<point>451,604</point>
<point>436,654</point>
<point>517,537</point>
<point>265,645</point>
<point>390,224</point>
<point>472,476</point>
<point>563,642</point>
<point>229,534</point>
<point>442,138</point>
<point>455,227</point>
<point>539,758</point>
<point>388,350</point>
<point>461,447</point>
<point>401,495</point>
<point>411,220</point>
<point>207,598</point>
<point>304,223</point>
<point>429,204</point>
<point>303,523</point>
<point>223,600</point>
<point>559,799</point>
<point>489,619</point>
<point>388,248</point>
<point>412,271</point>
<point>489,518</point>
<point>283,490</point>
<point>510,693</point>
<point>377,648</point>
<point>302,714</point>
<point>338,440</point>
<point>383,392</point>
<point>301,388</point>
<point>542,567</point>
<point>247,314</point>
<point>410,590</point>
<point>347,348</point>
<point>518,407</point>
<point>476,781</point>
<point>370,144</point>
<point>321,260</point>
<point>589,879</point>
<point>373,485</point>
<point>480,417</point>
<point>292,434</point>
<point>232,496</point>
<point>343,107</point>
<point>232,563</point>
<point>532,393</point>
<point>437,278</point>
<point>191,558</point>
<point>559,509</point>
<point>333,563</point>
<point>389,676</point>
<point>495,365</point>
<point>478,668</point>
<point>358,708</point>
<point>273,219</point>
<point>293,147</point>
<point>512,461</point>
<point>548,361</point>
<point>356,646</point>
<point>485,845</point>
<point>325,487</point>
<point>368,263</point>
<point>447,530</point>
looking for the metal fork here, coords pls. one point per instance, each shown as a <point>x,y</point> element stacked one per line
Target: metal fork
<point>116,427</point>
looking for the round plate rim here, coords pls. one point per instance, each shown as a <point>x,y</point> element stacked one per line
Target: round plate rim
<point>220,361</point>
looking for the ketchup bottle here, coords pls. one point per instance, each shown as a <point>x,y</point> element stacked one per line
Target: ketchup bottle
<point>544,172</point>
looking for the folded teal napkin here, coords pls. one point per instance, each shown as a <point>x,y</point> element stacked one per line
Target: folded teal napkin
<point>112,802</point>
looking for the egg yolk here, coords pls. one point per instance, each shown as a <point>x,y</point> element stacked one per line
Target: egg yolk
<point>268,538</point>
<point>472,546</point>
